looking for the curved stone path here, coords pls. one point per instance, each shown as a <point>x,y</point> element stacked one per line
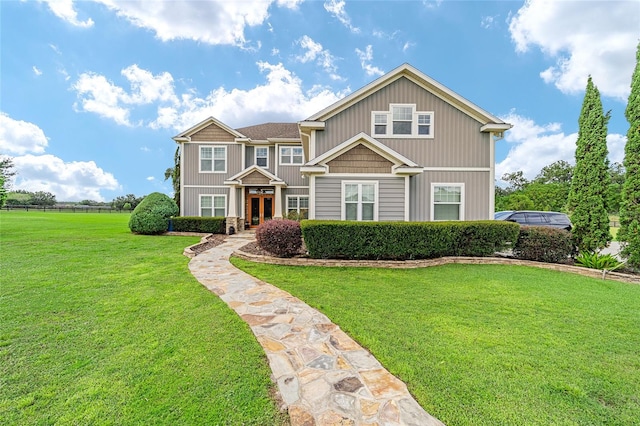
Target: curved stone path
<point>324,377</point>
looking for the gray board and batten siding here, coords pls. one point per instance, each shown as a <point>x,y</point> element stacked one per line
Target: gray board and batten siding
<point>457,140</point>
<point>390,189</point>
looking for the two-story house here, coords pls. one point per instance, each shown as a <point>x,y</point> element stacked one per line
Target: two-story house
<point>402,148</point>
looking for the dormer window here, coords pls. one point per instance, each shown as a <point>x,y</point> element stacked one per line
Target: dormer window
<point>402,121</point>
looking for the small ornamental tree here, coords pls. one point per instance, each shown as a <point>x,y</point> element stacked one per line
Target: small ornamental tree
<point>630,203</point>
<point>590,180</point>
<point>151,216</point>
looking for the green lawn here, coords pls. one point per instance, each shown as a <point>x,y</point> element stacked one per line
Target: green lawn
<point>99,326</point>
<point>489,344</point>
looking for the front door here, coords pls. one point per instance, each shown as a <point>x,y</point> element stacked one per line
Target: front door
<point>260,208</point>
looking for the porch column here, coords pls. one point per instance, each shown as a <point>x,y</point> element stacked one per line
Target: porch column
<point>232,202</point>
<point>277,214</point>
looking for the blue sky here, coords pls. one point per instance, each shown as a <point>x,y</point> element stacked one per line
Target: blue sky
<point>91,92</point>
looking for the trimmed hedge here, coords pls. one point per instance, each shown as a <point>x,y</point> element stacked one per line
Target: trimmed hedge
<point>209,225</point>
<point>543,244</point>
<point>281,237</point>
<point>406,240</point>
<point>151,216</point>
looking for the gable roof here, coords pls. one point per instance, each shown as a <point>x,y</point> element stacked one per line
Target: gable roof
<point>421,79</point>
<point>270,131</point>
<point>205,123</point>
<point>273,179</point>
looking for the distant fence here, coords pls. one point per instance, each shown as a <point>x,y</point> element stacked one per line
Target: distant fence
<point>70,209</point>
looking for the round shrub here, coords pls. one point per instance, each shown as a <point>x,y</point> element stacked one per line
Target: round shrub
<point>543,244</point>
<point>151,216</point>
<point>281,237</point>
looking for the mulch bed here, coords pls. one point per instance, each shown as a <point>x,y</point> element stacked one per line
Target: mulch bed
<point>211,241</point>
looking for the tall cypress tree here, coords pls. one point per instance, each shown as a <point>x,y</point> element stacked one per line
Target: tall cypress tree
<point>630,203</point>
<point>588,195</point>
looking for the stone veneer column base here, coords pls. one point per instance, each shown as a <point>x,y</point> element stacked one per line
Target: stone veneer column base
<point>237,224</point>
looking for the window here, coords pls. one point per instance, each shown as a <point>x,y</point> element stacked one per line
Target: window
<point>262,156</point>
<point>298,204</point>
<point>448,201</point>
<point>290,155</point>
<point>213,205</point>
<point>359,200</point>
<point>380,124</point>
<point>213,159</point>
<point>402,118</point>
<point>406,122</point>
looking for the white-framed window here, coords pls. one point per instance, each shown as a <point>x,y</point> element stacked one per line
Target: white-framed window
<point>262,156</point>
<point>213,159</point>
<point>359,200</point>
<point>402,121</point>
<point>213,205</point>
<point>291,155</point>
<point>298,204</point>
<point>447,201</point>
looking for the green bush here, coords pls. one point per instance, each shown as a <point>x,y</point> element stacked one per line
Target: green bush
<point>596,260</point>
<point>406,240</point>
<point>543,244</point>
<point>281,237</point>
<point>209,225</point>
<point>151,216</point>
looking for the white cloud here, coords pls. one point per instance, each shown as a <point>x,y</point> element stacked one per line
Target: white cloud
<point>64,10</point>
<point>211,21</point>
<point>336,8</point>
<point>280,98</point>
<point>366,57</point>
<point>151,178</point>
<point>533,146</point>
<point>316,53</point>
<point>74,181</point>
<point>36,71</point>
<point>98,95</point>
<point>594,38</point>
<point>19,137</point>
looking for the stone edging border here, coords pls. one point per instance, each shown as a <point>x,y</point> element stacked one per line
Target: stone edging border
<point>408,264</point>
<point>188,251</point>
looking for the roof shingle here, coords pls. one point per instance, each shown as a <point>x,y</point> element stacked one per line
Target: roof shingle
<point>271,130</point>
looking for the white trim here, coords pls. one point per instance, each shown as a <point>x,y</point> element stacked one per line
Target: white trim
<point>206,123</point>
<point>414,123</point>
<point>407,198</point>
<point>312,197</point>
<point>273,180</point>
<point>312,125</point>
<point>376,201</point>
<point>281,147</point>
<point>369,142</point>
<point>421,79</point>
<point>213,204</point>
<point>297,187</point>
<point>457,169</point>
<point>298,196</point>
<point>462,198</point>
<point>207,186</point>
<point>182,186</point>
<point>360,176</point>
<point>492,175</point>
<point>255,156</point>
<point>312,144</point>
<point>213,158</point>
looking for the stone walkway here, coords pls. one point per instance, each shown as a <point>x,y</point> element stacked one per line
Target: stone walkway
<point>324,377</point>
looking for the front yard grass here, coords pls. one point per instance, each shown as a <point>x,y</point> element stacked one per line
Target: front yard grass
<point>489,344</point>
<point>99,326</point>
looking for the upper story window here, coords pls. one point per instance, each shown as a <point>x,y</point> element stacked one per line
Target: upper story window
<point>291,155</point>
<point>262,156</point>
<point>213,159</point>
<point>402,121</point>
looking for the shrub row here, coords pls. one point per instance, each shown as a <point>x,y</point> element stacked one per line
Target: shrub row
<point>406,240</point>
<point>543,244</point>
<point>210,225</point>
<point>282,237</point>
